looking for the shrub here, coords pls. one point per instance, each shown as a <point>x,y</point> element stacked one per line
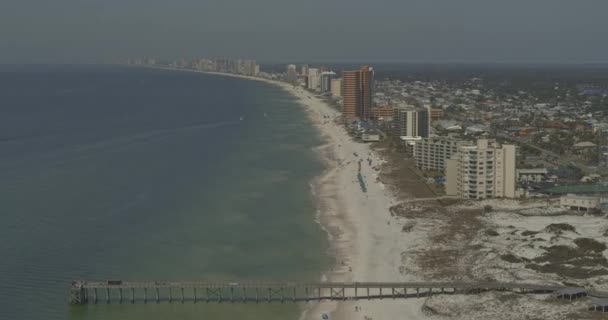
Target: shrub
<point>588,244</point>
<point>491,233</point>
<point>510,258</point>
<point>407,227</point>
<point>559,228</point>
<point>596,212</point>
<point>528,233</point>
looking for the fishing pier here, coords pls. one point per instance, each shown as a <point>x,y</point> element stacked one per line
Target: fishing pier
<point>88,292</point>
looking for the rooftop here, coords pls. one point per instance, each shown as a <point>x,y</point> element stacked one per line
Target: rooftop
<point>577,197</point>
<point>584,144</point>
<point>581,188</point>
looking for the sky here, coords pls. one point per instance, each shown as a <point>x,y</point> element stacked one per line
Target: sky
<point>429,31</point>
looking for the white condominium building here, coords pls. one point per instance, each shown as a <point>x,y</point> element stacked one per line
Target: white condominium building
<point>292,76</point>
<point>432,153</point>
<point>485,170</point>
<point>304,70</point>
<point>313,79</point>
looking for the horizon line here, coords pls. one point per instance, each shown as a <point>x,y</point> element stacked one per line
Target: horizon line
<point>262,62</point>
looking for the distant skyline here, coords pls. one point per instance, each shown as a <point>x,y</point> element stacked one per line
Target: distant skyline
<point>281,31</point>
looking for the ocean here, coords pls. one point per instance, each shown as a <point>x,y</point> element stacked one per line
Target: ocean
<point>110,172</point>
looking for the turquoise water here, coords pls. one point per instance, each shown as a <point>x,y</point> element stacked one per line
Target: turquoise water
<point>139,174</point>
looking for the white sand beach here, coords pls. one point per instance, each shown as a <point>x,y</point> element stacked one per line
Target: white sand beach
<point>365,239</point>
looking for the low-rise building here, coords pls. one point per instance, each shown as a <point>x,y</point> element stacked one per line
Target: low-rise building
<point>383,113</point>
<point>532,175</point>
<point>408,143</point>
<point>368,137</point>
<point>579,203</point>
<point>436,113</point>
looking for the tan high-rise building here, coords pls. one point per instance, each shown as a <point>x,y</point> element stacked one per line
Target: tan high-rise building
<point>336,87</point>
<point>357,93</point>
<point>485,170</point>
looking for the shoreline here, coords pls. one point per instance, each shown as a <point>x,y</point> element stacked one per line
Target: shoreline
<point>365,241</point>
<point>414,243</point>
<point>330,214</point>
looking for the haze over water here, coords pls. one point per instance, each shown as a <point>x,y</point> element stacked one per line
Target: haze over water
<point>139,174</point>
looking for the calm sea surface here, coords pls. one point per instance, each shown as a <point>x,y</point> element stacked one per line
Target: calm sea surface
<point>140,174</point>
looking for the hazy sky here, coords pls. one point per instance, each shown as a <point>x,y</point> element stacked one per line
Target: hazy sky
<point>306,30</point>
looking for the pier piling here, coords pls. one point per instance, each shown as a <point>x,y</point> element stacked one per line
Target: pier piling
<point>78,293</point>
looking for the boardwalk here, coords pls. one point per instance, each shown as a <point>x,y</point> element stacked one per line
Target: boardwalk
<point>84,292</point>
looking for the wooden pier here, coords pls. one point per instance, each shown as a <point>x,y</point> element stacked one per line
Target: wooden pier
<point>85,292</point>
